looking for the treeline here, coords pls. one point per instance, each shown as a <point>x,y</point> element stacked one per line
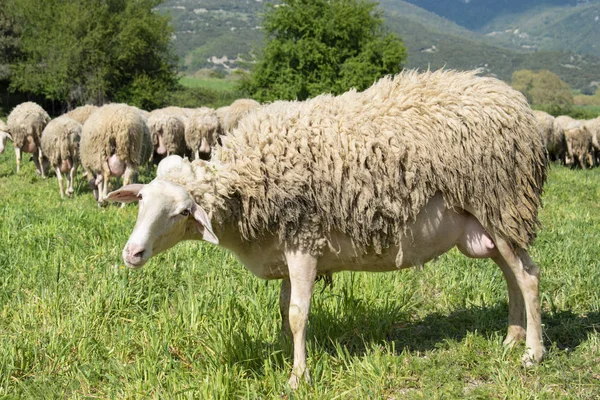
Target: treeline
<point>74,52</point>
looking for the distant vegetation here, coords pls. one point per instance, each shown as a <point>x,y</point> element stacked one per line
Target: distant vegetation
<point>322,46</point>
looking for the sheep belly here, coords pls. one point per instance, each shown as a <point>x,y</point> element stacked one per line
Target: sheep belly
<point>436,230</point>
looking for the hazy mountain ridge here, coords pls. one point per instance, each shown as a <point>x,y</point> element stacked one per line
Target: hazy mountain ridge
<point>213,33</point>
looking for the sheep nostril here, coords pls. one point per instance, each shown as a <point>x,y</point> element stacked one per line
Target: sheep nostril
<point>139,254</point>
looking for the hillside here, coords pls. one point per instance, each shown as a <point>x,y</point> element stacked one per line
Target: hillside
<point>215,34</point>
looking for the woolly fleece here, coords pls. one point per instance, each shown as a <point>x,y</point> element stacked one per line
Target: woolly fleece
<point>27,119</point>
<point>113,129</point>
<point>60,140</point>
<point>365,164</point>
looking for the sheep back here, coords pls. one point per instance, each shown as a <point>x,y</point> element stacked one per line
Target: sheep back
<point>236,111</point>
<point>27,119</point>
<point>112,129</point>
<point>365,164</point>
<point>81,114</point>
<point>60,140</point>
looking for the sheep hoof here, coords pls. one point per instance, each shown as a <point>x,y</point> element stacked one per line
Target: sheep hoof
<point>294,381</point>
<point>532,357</point>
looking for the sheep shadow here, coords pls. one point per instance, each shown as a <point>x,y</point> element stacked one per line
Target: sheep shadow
<point>371,326</point>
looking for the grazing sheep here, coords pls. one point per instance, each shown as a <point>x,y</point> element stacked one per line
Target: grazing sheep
<point>554,142</point>
<point>4,135</point>
<point>375,181</point>
<point>593,126</point>
<point>168,133</point>
<point>112,144</point>
<point>202,129</point>
<point>81,114</point>
<point>579,144</point>
<point>60,144</point>
<point>25,124</point>
<point>235,112</point>
<point>560,123</point>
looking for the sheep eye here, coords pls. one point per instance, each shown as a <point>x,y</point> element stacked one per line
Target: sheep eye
<point>185,212</point>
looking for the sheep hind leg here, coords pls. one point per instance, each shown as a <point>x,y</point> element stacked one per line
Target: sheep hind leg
<point>284,307</point>
<point>302,271</point>
<point>128,176</point>
<point>71,178</point>
<point>60,182</point>
<point>41,163</point>
<point>526,274</point>
<point>18,157</point>
<point>516,305</point>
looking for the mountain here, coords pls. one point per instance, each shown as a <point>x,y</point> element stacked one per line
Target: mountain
<point>551,25</point>
<point>497,36</point>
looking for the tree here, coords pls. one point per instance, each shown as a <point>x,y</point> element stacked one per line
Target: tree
<point>544,88</point>
<point>9,41</point>
<point>316,46</point>
<point>93,51</point>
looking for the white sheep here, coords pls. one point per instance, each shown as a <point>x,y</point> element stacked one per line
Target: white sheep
<point>60,144</point>
<point>82,113</point>
<point>202,129</point>
<point>25,124</point>
<point>554,140</point>
<point>231,116</point>
<point>375,181</point>
<point>114,143</point>
<point>168,133</point>
<point>593,126</point>
<point>4,135</point>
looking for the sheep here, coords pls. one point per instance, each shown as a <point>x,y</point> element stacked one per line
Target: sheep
<point>60,144</point>
<point>112,144</point>
<point>221,113</point>
<point>168,133</point>
<point>4,135</point>
<point>560,123</point>
<point>81,114</point>
<point>593,126</point>
<point>202,129</point>
<point>579,144</point>
<point>235,112</point>
<point>25,124</point>
<point>553,140</point>
<point>385,179</point>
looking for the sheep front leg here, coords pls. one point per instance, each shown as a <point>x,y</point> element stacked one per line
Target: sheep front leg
<point>60,182</point>
<point>302,269</point>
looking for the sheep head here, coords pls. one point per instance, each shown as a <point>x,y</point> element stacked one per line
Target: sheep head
<point>167,215</point>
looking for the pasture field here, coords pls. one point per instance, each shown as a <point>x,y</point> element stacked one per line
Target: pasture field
<point>224,85</point>
<point>194,324</point>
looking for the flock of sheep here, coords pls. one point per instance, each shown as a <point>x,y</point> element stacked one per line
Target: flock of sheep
<point>570,141</point>
<point>115,139</point>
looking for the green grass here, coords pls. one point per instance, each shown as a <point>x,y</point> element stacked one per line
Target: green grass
<point>218,84</point>
<point>193,323</point>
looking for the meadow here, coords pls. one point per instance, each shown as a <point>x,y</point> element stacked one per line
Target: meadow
<point>194,324</point>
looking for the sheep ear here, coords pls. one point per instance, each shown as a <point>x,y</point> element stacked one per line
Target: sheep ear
<point>127,194</point>
<point>204,225</point>
<point>9,137</point>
